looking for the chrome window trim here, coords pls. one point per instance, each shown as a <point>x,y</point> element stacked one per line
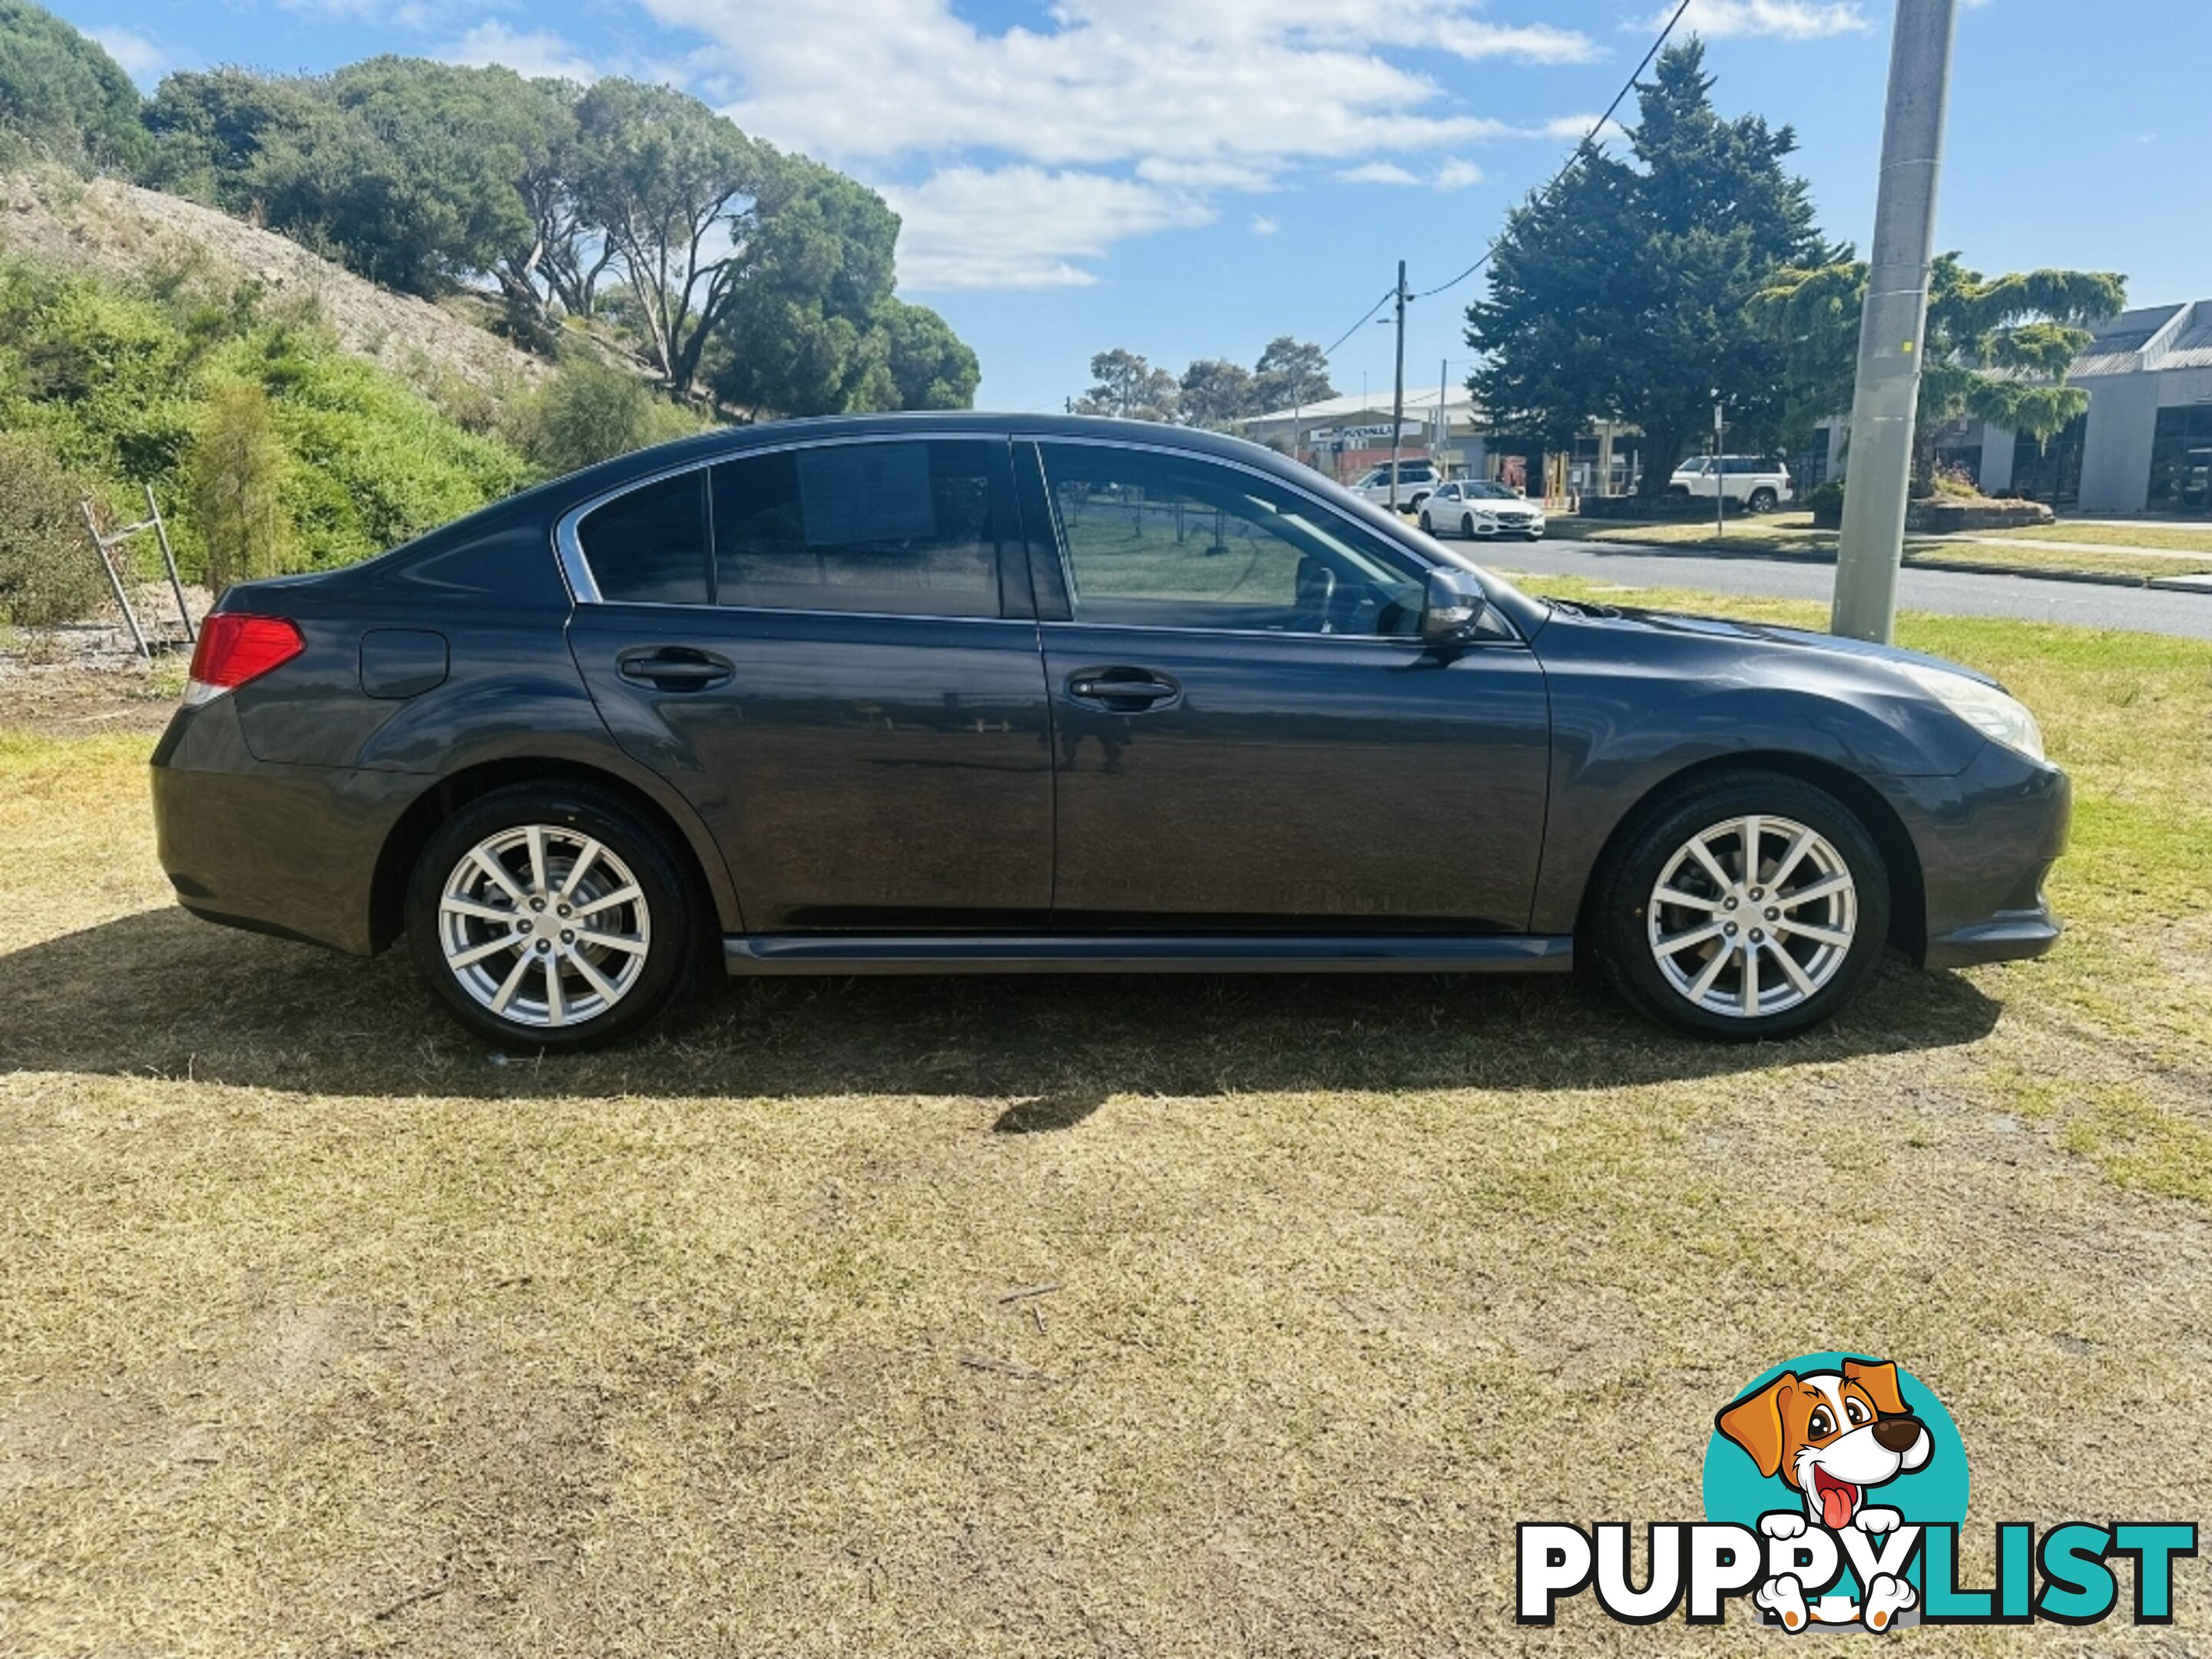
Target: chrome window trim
<point>1067,575</point>
<point>1410,642</point>
<point>584,587</point>
<point>795,611</point>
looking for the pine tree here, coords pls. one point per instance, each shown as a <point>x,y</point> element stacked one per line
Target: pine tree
<point>1621,294</point>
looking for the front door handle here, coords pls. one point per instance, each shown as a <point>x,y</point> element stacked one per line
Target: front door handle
<point>675,668</point>
<point>1122,691</point>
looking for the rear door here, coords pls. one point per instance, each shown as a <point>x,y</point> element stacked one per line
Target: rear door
<point>1249,737</point>
<point>829,648</point>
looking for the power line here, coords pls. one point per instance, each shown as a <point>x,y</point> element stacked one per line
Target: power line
<point>1580,151</point>
<point>1355,328</point>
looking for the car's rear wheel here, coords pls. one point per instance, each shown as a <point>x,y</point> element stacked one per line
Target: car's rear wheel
<point>1763,499</point>
<point>1752,905</point>
<point>550,916</point>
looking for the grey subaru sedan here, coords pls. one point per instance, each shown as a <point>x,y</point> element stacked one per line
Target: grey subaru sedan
<point>960,693</point>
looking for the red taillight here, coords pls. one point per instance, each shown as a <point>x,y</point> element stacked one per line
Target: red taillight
<point>233,649</point>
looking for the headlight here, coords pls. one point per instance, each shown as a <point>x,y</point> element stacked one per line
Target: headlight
<point>1997,717</point>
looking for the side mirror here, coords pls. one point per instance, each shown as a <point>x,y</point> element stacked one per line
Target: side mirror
<point>1453,608</point>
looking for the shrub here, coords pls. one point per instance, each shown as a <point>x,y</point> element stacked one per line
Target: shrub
<point>48,575</point>
<point>592,412</point>
<point>1827,501</point>
<point>234,488</point>
<point>376,463</point>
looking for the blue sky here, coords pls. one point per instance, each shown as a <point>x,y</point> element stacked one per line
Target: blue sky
<point>1190,177</point>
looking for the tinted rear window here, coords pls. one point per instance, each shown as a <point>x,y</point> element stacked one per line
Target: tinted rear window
<point>650,546</point>
<point>900,527</point>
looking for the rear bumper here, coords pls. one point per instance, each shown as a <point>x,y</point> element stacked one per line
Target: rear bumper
<point>282,849</point>
<point>1986,840</point>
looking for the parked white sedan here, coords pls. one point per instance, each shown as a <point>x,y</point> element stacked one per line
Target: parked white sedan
<point>1475,508</point>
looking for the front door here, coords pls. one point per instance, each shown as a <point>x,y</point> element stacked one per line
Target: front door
<point>1248,735</point>
<point>829,649</point>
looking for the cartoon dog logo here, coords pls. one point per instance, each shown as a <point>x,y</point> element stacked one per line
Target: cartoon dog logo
<point>1831,1435</point>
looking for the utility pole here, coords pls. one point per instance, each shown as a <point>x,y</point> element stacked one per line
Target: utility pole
<point>1720,474</point>
<point>1398,397</point>
<point>1894,322</point>
<point>1443,425</point>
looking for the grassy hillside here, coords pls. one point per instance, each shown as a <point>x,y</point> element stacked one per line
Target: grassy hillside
<point>113,378</point>
<point>122,312</point>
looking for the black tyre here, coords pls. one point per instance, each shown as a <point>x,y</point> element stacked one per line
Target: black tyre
<point>1705,940</point>
<point>1764,500</point>
<point>1427,529</point>
<point>1419,501</point>
<point>1467,527</point>
<point>552,917</point>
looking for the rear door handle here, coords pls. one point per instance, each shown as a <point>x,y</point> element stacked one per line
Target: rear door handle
<point>1122,691</point>
<point>675,668</point>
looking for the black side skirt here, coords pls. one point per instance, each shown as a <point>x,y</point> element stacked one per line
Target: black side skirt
<point>1051,953</point>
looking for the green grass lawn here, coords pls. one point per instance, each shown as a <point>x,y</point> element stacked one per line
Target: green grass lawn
<point>2175,538</point>
<point>326,1332</point>
<point>2013,551</point>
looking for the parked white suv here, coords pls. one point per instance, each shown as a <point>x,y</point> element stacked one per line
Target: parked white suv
<point>1758,485</point>
<point>1416,482</point>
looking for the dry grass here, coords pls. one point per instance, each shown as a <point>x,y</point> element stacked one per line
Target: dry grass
<point>323,1333</point>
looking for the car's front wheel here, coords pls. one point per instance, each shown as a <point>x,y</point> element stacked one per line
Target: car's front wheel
<point>1751,906</point>
<point>550,916</point>
<point>1427,528</point>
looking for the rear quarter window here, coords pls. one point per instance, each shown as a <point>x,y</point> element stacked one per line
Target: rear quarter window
<point>649,546</point>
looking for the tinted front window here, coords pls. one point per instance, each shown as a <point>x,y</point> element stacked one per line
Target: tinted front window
<point>1173,541</point>
<point>650,546</point>
<point>905,527</point>
<point>1490,492</point>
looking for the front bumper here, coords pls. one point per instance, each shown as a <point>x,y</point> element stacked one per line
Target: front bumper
<point>1986,839</point>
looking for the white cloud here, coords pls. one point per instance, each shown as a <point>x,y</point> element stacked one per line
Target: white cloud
<point>1233,82</point>
<point>1792,20</point>
<point>141,60</point>
<point>1379,172</point>
<point>1455,174</point>
<point>1574,127</point>
<point>1023,226</point>
<point>1263,226</point>
<point>1216,175</point>
<point>1539,43</point>
<point>538,54</point>
<point>1156,104</point>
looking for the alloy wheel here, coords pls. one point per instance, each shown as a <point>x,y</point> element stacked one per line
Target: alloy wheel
<point>1753,916</point>
<point>545,925</point>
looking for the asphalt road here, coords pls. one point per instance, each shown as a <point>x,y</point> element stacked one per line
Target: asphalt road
<point>1948,593</point>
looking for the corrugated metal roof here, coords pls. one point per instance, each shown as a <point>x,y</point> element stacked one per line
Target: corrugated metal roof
<point>2191,345</point>
<point>2116,347</point>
